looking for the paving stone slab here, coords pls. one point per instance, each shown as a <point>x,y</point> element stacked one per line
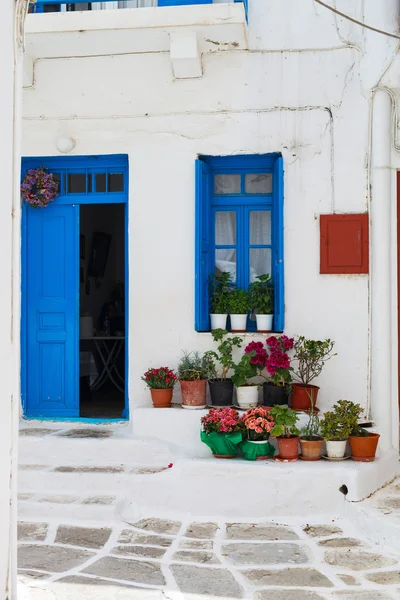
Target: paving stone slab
<point>59,499</point>
<point>359,595</point>
<point>203,531</point>
<point>82,580</point>
<point>28,532</point>
<point>197,557</point>
<point>357,560</point>
<point>127,570</point>
<point>82,536</point>
<point>264,554</point>
<point>36,432</point>
<point>86,433</point>
<point>158,526</point>
<point>89,470</point>
<point>79,588</point>
<point>291,577</point>
<point>259,531</point>
<point>385,577</point>
<point>195,545</point>
<point>144,551</point>
<point>321,530</point>
<point>99,500</point>
<point>32,574</point>
<point>340,543</point>
<point>54,559</point>
<point>128,536</point>
<point>348,579</point>
<point>206,582</point>
<point>287,595</point>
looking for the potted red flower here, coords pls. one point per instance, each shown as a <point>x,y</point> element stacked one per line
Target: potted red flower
<point>275,360</point>
<point>222,431</point>
<point>258,424</point>
<point>161,383</point>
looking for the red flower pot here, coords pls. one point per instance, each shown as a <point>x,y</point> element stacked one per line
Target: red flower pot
<point>288,447</point>
<point>363,449</point>
<point>194,393</point>
<point>161,398</point>
<point>302,395</point>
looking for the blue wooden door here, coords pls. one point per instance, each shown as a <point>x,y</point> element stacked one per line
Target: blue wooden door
<point>52,305</point>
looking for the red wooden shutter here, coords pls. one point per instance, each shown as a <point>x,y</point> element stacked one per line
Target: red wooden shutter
<point>344,244</point>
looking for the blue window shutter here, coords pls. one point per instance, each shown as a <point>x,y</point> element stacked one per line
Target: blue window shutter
<point>203,246</point>
<point>277,248</point>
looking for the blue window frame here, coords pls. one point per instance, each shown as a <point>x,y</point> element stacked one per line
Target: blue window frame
<point>239,227</point>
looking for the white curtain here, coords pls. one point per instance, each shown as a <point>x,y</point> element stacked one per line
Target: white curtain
<point>259,234</point>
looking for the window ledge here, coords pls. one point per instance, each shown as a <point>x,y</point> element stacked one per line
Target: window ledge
<point>219,26</point>
<point>247,334</point>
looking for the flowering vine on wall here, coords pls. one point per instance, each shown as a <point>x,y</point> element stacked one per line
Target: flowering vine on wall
<point>39,188</point>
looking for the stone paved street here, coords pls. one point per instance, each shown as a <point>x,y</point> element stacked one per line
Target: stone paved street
<point>159,558</point>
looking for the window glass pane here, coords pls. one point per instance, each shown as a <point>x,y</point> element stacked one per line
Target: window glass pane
<point>225,228</point>
<point>100,182</point>
<point>77,183</point>
<point>260,262</point>
<point>258,183</point>
<point>225,260</point>
<point>57,177</point>
<point>227,184</point>
<point>115,182</point>
<point>89,182</point>
<point>260,227</point>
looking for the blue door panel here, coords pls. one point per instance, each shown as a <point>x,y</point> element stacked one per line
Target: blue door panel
<point>52,311</point>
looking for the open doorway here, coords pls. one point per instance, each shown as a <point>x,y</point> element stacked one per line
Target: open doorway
<point>102,311</point>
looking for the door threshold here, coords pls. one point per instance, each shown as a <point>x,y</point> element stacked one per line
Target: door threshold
<point>76,420</point>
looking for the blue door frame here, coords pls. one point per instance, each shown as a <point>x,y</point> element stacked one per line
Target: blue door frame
<point>88,164</point>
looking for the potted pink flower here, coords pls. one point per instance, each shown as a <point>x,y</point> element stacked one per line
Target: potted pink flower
<point>222,431</point>
<point>275,361</point>
<point>161,383</point>
<point>258,423</point>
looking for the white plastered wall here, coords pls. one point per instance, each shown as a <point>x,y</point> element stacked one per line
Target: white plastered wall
<point>303,89</point>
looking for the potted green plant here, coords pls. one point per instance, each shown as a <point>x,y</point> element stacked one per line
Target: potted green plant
<point>310,441</point>
<point>220,289</point>
<point>238,309</point>
<point>258,424</point>
<point>192,374</point>
<point>363,443</point>
<point>222,431</point>
<point>336,426</point>
<point>262,301</point>
<point>161,383</point>
<point>221,387</point>
<point>286,432</point>
<point>311,356</point>
<point>246,392</point>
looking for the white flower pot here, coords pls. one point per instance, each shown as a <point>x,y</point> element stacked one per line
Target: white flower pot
<point>264,322</point>
<point>336,449</point>
<point>238,323</point>
<point>218,321</point>
<point>247,396</point>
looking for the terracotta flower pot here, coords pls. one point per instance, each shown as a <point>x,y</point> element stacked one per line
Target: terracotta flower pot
<point>363,449</point>
<point>311,449</point>
<point>301,394</point>
<point>288,447</point>
<point>194,393</point>
<point>161,398</point>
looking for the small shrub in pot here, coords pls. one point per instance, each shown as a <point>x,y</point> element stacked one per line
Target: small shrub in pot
<point>243,371</point>
<point>363,444</point>
<point>310,356</point>
<point>220,288</point>
<point>262,302</point>
<point>238,308</point>
<point>192,374</point>
<point>286,432</point>
<point>310,441</point>
<point>221,387</point>
<point>336,426</point>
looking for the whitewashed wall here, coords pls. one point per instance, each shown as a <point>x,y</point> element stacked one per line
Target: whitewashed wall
<point>303,89</point>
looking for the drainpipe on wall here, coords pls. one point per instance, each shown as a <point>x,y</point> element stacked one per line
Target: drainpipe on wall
<point>383,329</point>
